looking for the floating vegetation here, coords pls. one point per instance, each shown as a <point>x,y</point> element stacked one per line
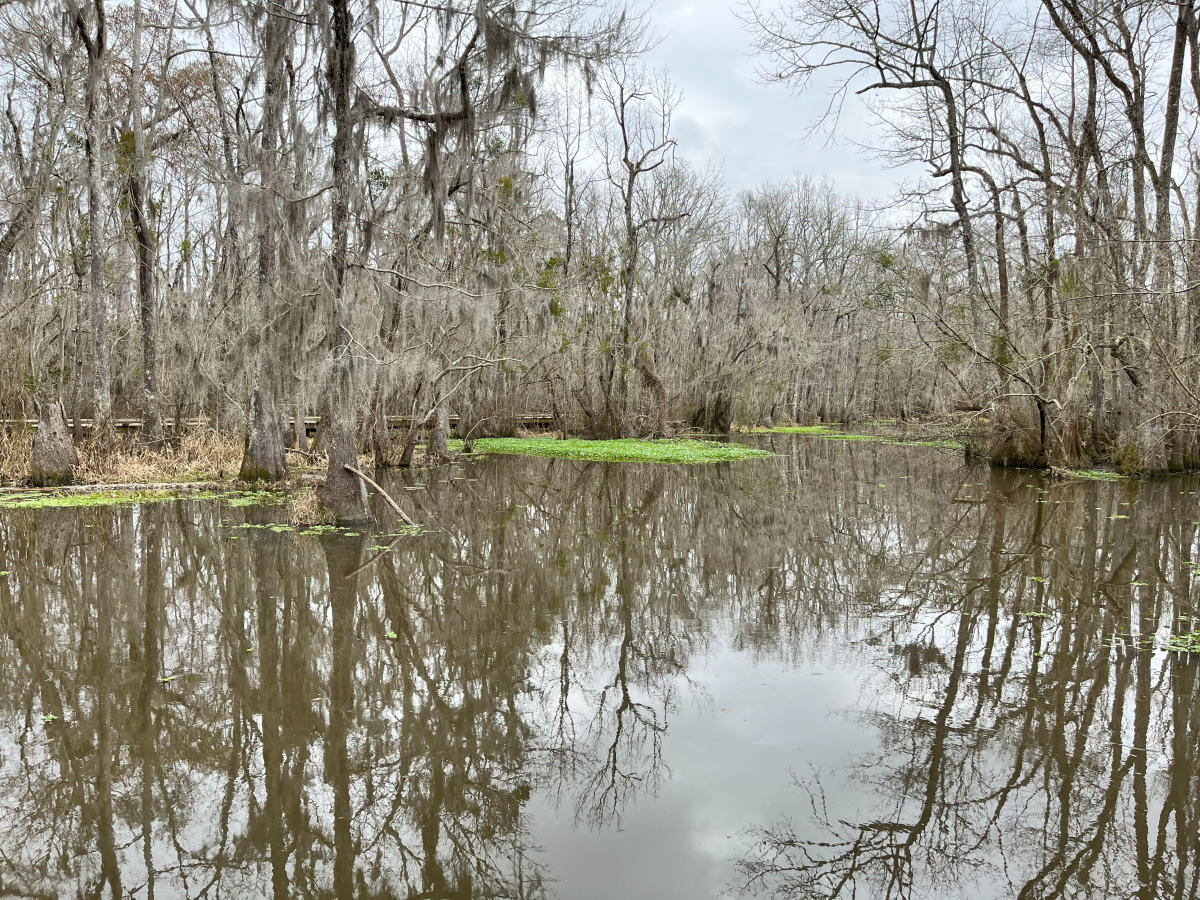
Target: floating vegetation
<point>831,434</point>
<point>277,527</point>
<point>1183,642</point>
<point>671,450</point>
<point>34,499</point>
<point>791,429</point>
<point>318,529</point>
<point>1098,475</point>
<point>254,498</point>
<point>62,500</point>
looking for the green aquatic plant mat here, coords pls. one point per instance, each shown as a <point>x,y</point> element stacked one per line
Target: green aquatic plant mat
<point>621,450</point>
<point>43,499</point>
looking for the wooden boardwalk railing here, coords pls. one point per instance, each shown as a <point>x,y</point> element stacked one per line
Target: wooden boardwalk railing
<point>310,424</point>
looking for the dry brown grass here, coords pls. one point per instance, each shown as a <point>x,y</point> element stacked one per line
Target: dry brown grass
<point>305,509</point>
<point>201,455</point>
<point>16,450</point>
<point>197,456</point>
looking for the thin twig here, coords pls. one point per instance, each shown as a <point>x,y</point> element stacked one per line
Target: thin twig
<point>384,494</point>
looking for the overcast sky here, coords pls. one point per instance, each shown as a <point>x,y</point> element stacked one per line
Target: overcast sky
<point>755,132</point>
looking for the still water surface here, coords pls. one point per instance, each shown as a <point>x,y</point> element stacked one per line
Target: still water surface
<point>847,670</point>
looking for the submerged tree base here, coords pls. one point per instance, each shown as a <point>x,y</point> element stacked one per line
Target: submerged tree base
<point>674,450</point>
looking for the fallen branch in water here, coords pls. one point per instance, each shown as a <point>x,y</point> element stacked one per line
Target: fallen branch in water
<point>382,493</point>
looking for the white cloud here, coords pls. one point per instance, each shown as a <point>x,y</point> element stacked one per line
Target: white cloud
<point>755,132</point>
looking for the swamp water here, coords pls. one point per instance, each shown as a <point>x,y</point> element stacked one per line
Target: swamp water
<point>849,669</point>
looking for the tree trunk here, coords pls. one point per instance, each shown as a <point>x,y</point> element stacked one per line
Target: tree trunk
<point>299,429</point>
<point>320,439</point>
<point>95,44</point>
<point>439,434</point>
<point>343,493</point>
<point>54,457</point>
<point>143,245</point>
<point>407,448</point>
<point>645,368</point>
<point>1164,250</point>
<point>263,459</point>
<point>715,414</point>
<point>264,444</point>
<point>377,430</point>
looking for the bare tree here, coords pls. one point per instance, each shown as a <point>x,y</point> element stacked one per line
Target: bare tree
<point>94,35</point>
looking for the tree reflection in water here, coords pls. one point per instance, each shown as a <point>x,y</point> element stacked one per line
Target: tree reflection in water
<point>241,712</point>
<point>1043,749</point>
